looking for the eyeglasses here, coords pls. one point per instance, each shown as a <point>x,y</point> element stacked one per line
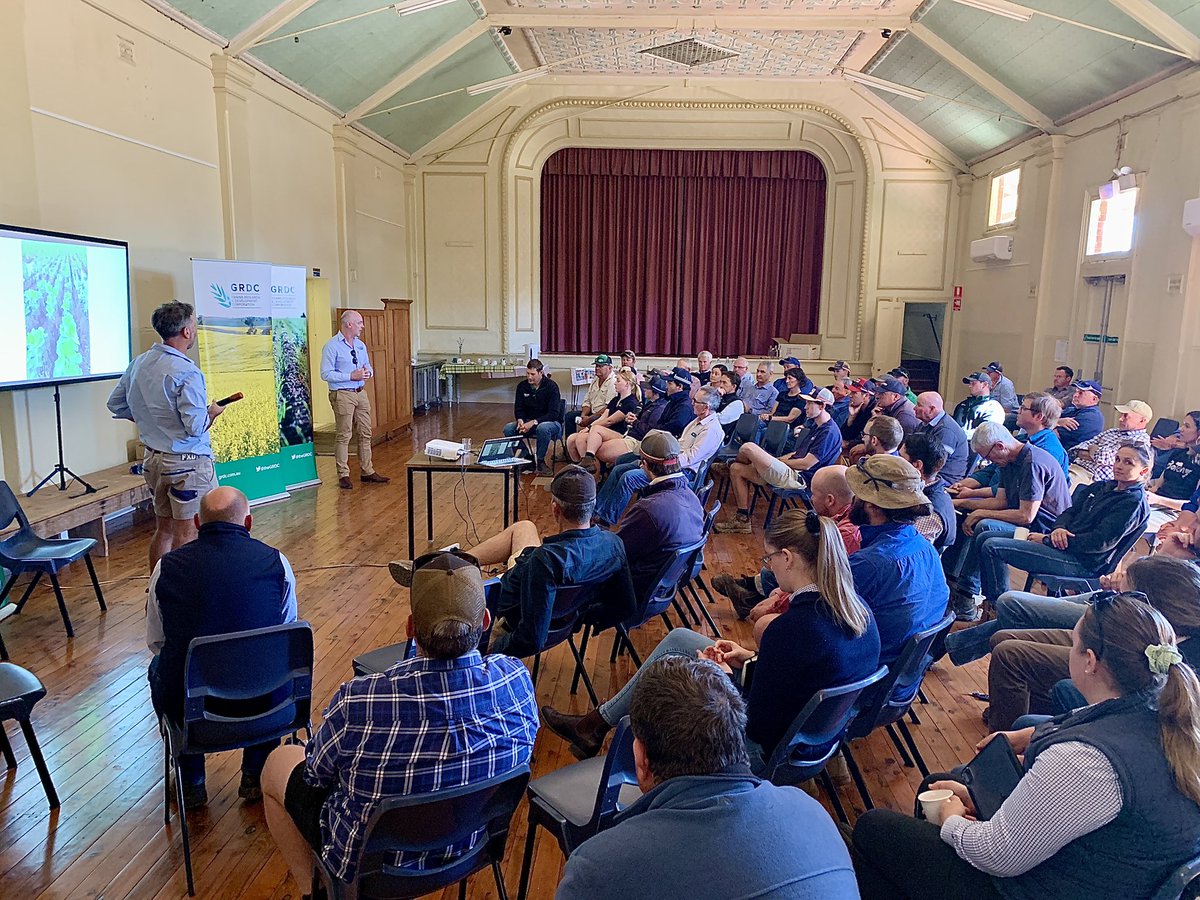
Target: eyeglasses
<point>1025,408</point>
<point>1102,602</point>
<point>874,480</point>
<point>766,560</point>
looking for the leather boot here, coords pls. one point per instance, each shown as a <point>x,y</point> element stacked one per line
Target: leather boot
<point>584,733</point>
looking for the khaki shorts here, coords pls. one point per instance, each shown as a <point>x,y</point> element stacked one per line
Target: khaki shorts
<point>779,475</point>
<point>633,445</point>
<point>179,481</point>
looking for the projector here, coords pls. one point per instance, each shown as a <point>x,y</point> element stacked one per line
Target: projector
<point>439,449</point>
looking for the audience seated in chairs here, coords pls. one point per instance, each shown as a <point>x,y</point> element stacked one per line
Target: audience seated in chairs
<point>901,375</point>
<point>931,411</point>
<point>928,455</point>
<point>862,408</point>
<point>791,362</point>
<point>222,582</point>
<point>760,396</point>
<point>613,423</point>
<point>824,637</point>
<point>1003,391</point>
<point>667,517</point>
<point>536,411</point>
<point>1109,804</point>
<point>1086,538</point>
<point>1082,420</point>
<point>883,435</point>
<point>745,380</point>
<point>892,400</point>
<point>705,828</point>
<point>621,447</point>
<point>1030,652</point>
<point>789,404</point>
<point>1093,461</point>
<point>444,719</point>
<point>704,364</point>
<point>978,407</point>
<point>1032,494</point>
<point>818,444</point>
<point>599,392</point>
<point>1036,418</point>
<point>1062,388</point>
<point>1180,476</point>
<point>699,442</point>
<point>831,497</point>
<point>731,407</point>
<point>840,410</point>
<point>679,412</point>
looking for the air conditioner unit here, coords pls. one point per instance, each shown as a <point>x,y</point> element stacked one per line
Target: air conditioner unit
<point>1191,217</point>
<point>991,248</point>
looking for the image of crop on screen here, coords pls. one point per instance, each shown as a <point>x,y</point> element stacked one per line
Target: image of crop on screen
<point>56,301</point>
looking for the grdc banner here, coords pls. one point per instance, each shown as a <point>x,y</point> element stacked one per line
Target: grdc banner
<point>234,315</point>
<point>289,334</point>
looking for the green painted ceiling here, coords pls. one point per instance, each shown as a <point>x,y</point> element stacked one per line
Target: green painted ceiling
<point>1058,68</point>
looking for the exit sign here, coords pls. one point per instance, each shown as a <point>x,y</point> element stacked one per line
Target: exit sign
<point>1096,339</point>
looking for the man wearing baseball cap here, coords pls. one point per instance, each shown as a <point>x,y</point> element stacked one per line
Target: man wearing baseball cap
<point>1093,461</point>
<point>1003,391</point>
<point>818,444</point>
<point>840,369</point>
<point>790,362</point>
<point>446,718</point>
<point>901,375</point>
<point>602,389</point>
<point>896,571</point>
<point>978,407</point>
<point>892,400</point>
<point>1082,420</point>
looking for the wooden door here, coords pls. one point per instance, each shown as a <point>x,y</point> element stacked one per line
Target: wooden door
<point>386,332</point>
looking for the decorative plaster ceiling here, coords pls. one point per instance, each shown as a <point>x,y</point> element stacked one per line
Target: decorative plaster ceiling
<point>718,6</point>
<point>760,54</point>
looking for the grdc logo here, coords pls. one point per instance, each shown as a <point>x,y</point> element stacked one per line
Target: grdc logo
<point>220,296</point>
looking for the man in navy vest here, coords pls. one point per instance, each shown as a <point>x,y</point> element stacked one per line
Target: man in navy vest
<point>222,582</point>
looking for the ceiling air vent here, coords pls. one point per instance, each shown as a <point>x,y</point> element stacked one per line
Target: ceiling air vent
<point>690,52</point>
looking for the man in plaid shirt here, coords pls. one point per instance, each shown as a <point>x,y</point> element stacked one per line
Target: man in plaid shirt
<point>445,719</point>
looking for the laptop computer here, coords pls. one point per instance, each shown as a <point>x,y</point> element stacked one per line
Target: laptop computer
<point>499,452</point>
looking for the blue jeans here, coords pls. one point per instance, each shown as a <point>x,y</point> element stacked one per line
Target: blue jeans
<point>1031,720</point>
<point>546,432</point>
<point>619,487</point>
<point>1014,610</point>
<point>1065,697</point>
<point>680,642</point>
<point>966,568</point>
<point>996,555</point>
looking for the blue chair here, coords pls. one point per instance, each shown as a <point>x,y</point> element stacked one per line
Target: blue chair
<point>815,736</point>
<point>775,438</point>
<point>580,800</point>
<point>24,551</point>
<point>1058,585</point>
<point>891,699</point>
<point>697,573</point>
<point>1180,885</point>
<point>269,670</point>
<point>420,823</point>
<point>744,430</point>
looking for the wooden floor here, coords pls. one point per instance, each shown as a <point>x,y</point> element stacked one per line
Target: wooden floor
<point>98,731</point>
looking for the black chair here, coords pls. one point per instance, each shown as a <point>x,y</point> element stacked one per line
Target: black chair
<point>815,736</point>
<point>268,669</point>
<point>419,823</point>
<point>26,552</point>
<point>1164,428</point>
<point>580,800</point>
<point>20,690</point>
<point>697,577</point>
<point>569,615</point>
<point>1180,886</point>
<point>703,493</point>
<point>699,477</point>
<point>891,699</point>
<point>775,438</point>
<point>743,433</point>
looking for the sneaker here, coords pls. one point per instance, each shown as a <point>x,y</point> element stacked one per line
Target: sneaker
<point>251,787</point>
<point>973,615</point>
<point>589,464</point>
<point>742,597</point>
<point>738,525</point>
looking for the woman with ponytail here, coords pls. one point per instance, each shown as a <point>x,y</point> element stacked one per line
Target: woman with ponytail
<point>1109,805</point>
<point>826,637</point>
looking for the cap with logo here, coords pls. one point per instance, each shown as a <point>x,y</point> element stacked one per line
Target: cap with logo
<point>1092,386</point>
<point>899,372</point>
<point>574,486</point>
<point>891,384</point>
<point>1137,407</point>
<point>658,384</point>
<point>994,367</point>
<point>790,362</point>
<point>681,376</point>
<point>977,376</point>
<point>822,395</point>
<point>862,386</point>
<point>660,446</point>
<point>602,359</point>
<point>839,366</point>
<point>889,482</point>
<point>446,587</point>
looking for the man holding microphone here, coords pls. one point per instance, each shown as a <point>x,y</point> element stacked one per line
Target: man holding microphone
<point>346,367</point>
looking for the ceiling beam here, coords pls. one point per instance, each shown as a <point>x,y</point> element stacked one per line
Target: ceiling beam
<point>1161,25</point>
<point>422,66</point>
<point>742,21</point>
<point>981,77</point>
<point>267,25</point>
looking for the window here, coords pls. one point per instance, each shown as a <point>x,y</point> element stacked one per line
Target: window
<point>1110,224</point>
<point>1002,205</point>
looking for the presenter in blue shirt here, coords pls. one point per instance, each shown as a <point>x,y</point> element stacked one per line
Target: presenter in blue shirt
<point>346,367</point>
<point>163,393</point>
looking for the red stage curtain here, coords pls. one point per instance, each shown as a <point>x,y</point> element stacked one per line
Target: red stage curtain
<point>670,252</point>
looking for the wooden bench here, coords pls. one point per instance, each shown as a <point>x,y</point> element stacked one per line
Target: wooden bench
<point>52,511</point>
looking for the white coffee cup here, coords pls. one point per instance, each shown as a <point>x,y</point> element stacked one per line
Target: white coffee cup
<point>932,800</point>
<point>1021,534</point>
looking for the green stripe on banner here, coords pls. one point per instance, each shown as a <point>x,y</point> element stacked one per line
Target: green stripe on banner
<point>289,331</point>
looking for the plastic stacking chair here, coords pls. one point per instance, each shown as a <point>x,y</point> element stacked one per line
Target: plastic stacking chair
<point>1164,427</point>
<point>267,668</point>
<point>743,433</point>
<point>570,607</point>
<point>775,438</point>
<point>20,690</point>
<point>1181,885</point>
<point>815,736</point>
<point>419,823</point>
<point>891,699</point>
<point>580,800</point>
<point>26,552</point>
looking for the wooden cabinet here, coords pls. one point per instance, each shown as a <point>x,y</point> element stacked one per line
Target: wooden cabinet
<point>387,333</point>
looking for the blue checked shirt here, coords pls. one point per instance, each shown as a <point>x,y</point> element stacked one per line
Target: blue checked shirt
<point>423,725</point>
<point>163,393</point>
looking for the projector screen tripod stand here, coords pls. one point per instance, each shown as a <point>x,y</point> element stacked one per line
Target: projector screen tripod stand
<point>60,470</point>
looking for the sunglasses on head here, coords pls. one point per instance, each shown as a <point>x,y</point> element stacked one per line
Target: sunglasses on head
<point>873,479</point>
<point>1102,602</point>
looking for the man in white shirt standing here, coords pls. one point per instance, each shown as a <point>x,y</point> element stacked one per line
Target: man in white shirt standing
<point>346,368</point>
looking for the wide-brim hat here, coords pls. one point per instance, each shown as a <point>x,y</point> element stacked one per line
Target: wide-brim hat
<point>889,482</point>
